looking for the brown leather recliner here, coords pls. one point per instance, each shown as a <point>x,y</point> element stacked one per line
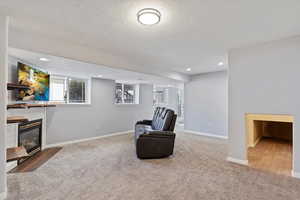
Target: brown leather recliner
<point>155,138</point>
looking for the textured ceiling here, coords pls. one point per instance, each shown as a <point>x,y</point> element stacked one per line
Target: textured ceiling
<point>192,33</point>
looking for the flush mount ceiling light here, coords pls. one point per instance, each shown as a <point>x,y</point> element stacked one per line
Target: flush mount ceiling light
<point>220,63</point>
<point>44,59</point>
<point>188,69</point>
<point>148,16</point>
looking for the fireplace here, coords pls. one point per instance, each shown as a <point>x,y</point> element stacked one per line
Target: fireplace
<point>30,136</point>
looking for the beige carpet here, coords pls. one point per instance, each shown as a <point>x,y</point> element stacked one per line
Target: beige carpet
<point>108,169</point>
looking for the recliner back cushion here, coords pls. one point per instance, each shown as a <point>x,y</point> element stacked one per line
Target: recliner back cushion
<point>167,119</point>
<point>156,120</point>
<point>163,120</point>
<point>156,112</point>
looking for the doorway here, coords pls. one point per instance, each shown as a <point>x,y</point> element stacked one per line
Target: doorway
<point>171,97</point>
<point>270,142</point>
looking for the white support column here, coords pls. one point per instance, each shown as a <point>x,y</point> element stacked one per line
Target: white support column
<point>3,102</point>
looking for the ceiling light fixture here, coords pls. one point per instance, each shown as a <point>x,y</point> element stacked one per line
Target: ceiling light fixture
<point>148,16</point>
<point>188,69</point>
<point>100,76</point>
<point>44,59</point>
<point>220,63</point>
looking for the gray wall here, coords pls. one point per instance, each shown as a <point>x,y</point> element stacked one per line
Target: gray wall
<point>3,101</point>
<point>205,103</point>
<point>73,122</point>
<point>264,79</point>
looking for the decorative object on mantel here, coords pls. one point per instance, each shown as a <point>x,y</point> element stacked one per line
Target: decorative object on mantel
<point>25,105</point>
<point>16,153</point>
<point>16,119</point>
<point>16,86</point>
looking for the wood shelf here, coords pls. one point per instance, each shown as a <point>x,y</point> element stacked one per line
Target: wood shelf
<point>16,119</point>
<point>17,106</point>
<point>24,106</point>
<point>16,86</point>
<point>16,153</point>
<point>40,105</point>
<point>36,161</point>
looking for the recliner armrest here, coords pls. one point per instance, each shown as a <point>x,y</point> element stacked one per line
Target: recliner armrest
<point>145,122</point>
<point>161,134</point>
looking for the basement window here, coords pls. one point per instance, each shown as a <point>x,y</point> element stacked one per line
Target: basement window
<point>126,93</point>
<point>69,90</point>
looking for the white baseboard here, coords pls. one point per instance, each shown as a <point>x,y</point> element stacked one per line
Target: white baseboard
<point>88,139</point>
<point>207,134</point>
<point>237,161</point>
<point>295,174</point>
<point>3,195</point>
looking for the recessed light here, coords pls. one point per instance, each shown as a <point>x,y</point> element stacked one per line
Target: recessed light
<point>44,59</point>
<point>188,69</point>
<point>100,76</point>
<point>220,63</point>
<point>148,16</point>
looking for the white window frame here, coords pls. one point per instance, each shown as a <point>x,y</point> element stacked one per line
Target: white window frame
<point>66,84</point>
<point>136,93</point>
